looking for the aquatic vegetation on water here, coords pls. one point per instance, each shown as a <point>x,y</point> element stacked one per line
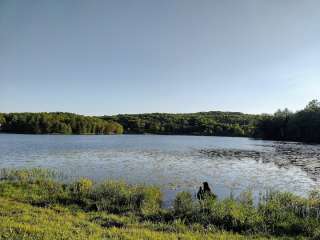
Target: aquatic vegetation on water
<point>285,154</point>
<point>34,206</point>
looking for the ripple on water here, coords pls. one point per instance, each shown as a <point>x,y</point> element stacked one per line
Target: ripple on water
<point>174,163</point>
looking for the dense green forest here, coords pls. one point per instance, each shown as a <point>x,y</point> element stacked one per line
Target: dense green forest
<point>63,123</point>
<point>303,126</point>
<point>202,123</point>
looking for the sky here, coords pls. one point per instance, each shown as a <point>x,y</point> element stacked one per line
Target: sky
<point>102,57</point>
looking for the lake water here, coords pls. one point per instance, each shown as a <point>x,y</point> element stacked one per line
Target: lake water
<point>174,163</point>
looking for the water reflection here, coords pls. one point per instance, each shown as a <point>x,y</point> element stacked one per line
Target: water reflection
<point>174,163</point>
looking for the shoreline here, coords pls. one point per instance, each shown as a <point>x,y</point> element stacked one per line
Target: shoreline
<point>36,190</point>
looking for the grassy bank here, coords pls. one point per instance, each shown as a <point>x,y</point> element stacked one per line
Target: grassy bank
<point>33,205</point>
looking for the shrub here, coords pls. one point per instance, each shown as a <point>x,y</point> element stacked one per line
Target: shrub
<point>119,197</point>
<point>183,204</point>
<point>227,214</point>
<point>151,200</point>
<point>81,188</point>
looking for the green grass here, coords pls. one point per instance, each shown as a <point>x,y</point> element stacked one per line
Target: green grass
<point>23,221</point>
<point>33,205</point>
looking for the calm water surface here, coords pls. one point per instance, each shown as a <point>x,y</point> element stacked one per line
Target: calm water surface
<point>174,163</point>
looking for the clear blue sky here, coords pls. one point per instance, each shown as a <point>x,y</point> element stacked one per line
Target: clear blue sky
<point>115,56</point>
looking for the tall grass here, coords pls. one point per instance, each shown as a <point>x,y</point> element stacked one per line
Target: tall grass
<point>38,187</point>
<point>27,175</point>
<point>276,214</point>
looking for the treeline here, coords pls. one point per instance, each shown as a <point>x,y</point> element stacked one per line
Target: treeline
<point>56,123</point>
<point>202,123</point>
<point>303,126</point>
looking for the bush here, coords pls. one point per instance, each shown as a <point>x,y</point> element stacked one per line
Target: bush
<point>228,214</point>
<point>151,200</point>
<point>81,188</point>
<point>119,197</point>
<point>183,205</point>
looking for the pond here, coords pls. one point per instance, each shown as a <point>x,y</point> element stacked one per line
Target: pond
<point>174,163</point>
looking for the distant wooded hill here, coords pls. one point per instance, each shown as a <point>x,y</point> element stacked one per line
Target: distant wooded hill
<point>303,125</point>
<point>285,125</point>
<point>59,123</point>
<point>202,123</point>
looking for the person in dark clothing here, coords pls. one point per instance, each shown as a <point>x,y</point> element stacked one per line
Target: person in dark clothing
<point>205,192</point>
<point>200,194</point>
<point>206,188</point>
